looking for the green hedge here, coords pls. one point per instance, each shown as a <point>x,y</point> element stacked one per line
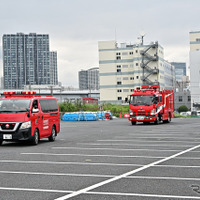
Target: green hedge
<point>76,107</point>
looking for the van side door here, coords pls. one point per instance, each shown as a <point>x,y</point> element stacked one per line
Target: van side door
<point>36,121</point>
<point>45,118</point>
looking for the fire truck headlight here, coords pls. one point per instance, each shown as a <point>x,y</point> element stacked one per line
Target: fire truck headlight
<point>153,112</point>
<point>26,125</point>
<point>130,112</point>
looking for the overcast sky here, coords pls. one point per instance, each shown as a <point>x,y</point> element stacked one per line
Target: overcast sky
<point>76,26</point>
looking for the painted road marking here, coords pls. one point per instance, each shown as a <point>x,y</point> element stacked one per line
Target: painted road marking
<point>56,174</point>
<point>81,191</point>
<point>68,163</point>
<point>158,137</point>
<point>107,155</point>
<point>99,193</point>
<point>100,176</point>
<point>35,190</point>
<point>129,144</point>
<point>164,178</point>
<point>140,195</point>
<point>91,163</point>
<point>146,141</point>
<point>91,155</point>
<point>113,149</point>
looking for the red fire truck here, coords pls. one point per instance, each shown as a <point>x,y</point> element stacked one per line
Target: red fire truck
<point>24,116</point>
<point>150,104</point>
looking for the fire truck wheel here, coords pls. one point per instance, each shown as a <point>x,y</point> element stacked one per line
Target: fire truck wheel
<point>169,118</point>
<point>156,121</point>
<point>53,134</point>
<point>1,141</point>
<point>133,122</point>
<point>35,137</point>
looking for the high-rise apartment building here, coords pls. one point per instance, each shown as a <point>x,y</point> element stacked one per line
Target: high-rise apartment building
<point>180,70</point>
<point>124,67</point>
<point>53,68</point>
<point>195,69</point>
<point>89,79</point>
<point>26,60</point>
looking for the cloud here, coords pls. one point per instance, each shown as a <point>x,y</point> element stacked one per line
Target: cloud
<point>75,27</point>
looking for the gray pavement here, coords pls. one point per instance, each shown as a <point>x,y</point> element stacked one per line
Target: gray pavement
<point>106,160</point>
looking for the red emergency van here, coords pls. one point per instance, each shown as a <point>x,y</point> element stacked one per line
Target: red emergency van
<point>27,116</point>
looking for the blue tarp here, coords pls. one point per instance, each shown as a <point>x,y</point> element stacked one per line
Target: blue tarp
<point>83,116</point>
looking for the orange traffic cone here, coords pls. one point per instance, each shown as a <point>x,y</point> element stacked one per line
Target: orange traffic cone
<point>120,115</point>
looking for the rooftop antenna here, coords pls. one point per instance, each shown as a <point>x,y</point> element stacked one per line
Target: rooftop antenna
<point>142,34</point>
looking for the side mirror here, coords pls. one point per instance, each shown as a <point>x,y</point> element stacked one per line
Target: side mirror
<point>28,110</point>
<point>35,110</point>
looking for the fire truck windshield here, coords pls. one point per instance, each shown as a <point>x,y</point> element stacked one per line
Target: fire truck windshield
<point>141,100</point>
<point>14,105</point>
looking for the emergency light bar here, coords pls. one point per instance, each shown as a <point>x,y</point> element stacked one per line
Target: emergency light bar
<point>28,92</point>
<point>19,93</point>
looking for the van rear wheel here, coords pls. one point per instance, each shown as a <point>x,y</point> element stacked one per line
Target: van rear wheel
<point>1,141</point>
<point>53,134</point>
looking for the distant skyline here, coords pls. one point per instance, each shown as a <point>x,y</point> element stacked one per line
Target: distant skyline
<point>75,27</point>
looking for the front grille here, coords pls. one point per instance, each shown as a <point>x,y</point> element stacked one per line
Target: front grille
<point>7,126</point>
<point>141,112</point>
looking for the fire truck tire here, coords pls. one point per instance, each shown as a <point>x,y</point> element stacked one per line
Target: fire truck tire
<point>35,140</point>
<point>133,122</point>
<point>169,118</point>
<point>156,121</point>
<point>1,141</point>
<point>53,134</point>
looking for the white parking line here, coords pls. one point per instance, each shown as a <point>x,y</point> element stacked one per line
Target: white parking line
<point>114,149</point>
<point>158,137</point>
<point>91,155</point>
<point>164,178</point>
<point>140,195</point>
<point>99,176</point>
<point>35,190</point>
<point>92,163</point>
<point>55,174</point>
<point>68,163</point>
<point>84,190</point>
<point>189,158</point>
<point>179,166</point>
<point>99,193</point>
<point>129,144</point>
<point>135,140</point>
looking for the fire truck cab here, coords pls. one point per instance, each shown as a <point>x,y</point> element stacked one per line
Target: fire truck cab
<point>24,116</point>
<point>149,104</point>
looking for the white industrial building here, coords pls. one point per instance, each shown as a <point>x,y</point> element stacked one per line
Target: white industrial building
<point>195,70</point>
<point>123,67</point>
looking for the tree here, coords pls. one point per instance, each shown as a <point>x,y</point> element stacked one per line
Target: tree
<point>183,108</point>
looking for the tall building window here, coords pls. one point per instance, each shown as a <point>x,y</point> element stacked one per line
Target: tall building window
<point>119,82</point>
<point>31,61</point>
<point>180,98</point>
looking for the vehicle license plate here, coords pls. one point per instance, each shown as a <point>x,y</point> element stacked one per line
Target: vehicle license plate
<point>7,137</point>
<point>139,117</point>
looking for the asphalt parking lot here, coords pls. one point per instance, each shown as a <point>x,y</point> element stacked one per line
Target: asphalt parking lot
<point>106,160</point>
